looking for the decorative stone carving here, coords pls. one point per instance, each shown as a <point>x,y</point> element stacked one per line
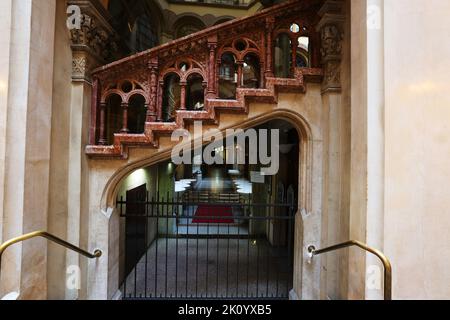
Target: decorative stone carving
<point>331,34</point>
<point>93,44</point>
<point>79,66</point>
<point>94,38</point>
<point>331,41</point>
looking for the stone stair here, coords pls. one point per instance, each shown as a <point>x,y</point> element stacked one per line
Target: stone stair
<point>144,68</point>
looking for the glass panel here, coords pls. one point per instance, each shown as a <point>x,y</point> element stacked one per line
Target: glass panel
<point>144,35</point>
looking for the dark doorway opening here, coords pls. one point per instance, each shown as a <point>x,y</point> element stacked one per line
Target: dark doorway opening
<point>135,226</point>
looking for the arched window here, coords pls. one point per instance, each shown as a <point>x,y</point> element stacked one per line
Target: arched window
<point>137,113</point>
<point>144,34</point>
<point>171,97</point>
<point>228,77</point>
<point>188,25</point>
<point>114,117</point>
<point>222,20</point>
<point>251,71</point>
<point>282,56</point>
<point>195,99</point>
<point>186,30</point>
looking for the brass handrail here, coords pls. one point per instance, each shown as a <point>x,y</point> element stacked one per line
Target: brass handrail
<point>386,263</point>
<point>43,234</point>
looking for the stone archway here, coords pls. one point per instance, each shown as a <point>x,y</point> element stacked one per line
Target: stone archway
<point>103,276</point>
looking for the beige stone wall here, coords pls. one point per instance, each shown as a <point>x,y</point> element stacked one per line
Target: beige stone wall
<point>358,189</point>
<point>400,145</point>
<point>336,125</point>
<point>417,207</point>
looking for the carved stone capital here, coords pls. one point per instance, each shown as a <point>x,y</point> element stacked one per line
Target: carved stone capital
<point>331,32</point>
<point>93,44</point>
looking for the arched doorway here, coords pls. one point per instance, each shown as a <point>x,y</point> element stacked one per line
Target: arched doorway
<point>228,234</point>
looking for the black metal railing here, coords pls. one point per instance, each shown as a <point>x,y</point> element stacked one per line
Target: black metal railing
<point>175,248</point>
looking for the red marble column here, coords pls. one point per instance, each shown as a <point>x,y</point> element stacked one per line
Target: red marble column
<point>205,91</point>
<point>294,47</point>
<point>240,65</point>
<point>212,45</point>
<point>125,118</point>
<point>183,96</point>
<point>102,135</point>
<point>270,26</point>
<point>160,100</point>
<point>262,61</point>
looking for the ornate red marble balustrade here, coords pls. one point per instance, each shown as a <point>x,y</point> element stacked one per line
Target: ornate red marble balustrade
<point>201,54</point>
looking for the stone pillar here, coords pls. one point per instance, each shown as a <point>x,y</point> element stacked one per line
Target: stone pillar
<point>26,91</point>
<point>212,45</point>
<point>368,141</point>
<point>336,147</point>
<point>151,110</point>
<point>93,44</point>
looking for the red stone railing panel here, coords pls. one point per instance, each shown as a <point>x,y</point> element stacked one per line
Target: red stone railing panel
<point>200,54</point>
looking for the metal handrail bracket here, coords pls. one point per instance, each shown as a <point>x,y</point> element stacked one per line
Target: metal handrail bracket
<point>353,243</point>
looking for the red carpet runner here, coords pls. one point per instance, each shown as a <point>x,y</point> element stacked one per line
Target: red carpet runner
<point>213,214</point>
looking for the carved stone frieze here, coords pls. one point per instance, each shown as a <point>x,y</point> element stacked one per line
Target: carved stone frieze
<point>94,43</point>
<point>331,38</point>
